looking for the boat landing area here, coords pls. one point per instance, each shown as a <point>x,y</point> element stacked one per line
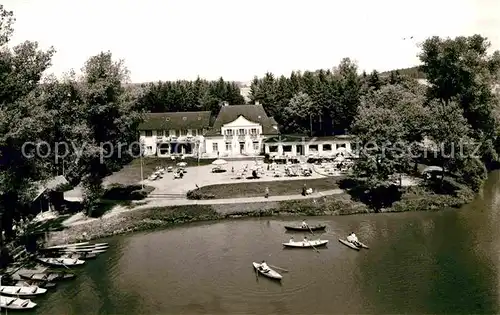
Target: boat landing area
<point>14,271</point>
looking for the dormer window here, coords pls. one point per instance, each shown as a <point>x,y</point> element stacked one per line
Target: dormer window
<point>184,118</point>
<point>167,119</point>
<point>199,118</point>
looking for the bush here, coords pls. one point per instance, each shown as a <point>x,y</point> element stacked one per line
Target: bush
<point>125,192</point>
<point>197,195</point>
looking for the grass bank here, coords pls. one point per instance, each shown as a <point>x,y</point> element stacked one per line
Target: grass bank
<point>413,199</point>
<point>257,189</point>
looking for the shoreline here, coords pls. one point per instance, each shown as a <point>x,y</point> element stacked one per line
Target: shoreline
<point>155,218</point>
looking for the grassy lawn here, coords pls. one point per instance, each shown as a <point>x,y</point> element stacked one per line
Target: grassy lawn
<point>276,188</point>
<point>131,173</point>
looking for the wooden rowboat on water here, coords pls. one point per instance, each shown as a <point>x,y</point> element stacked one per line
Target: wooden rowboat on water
<point>68,245</point>
<point>15,303</point>
<point>84,249</point>
<point>61,262</point>
<point>49,277</point>
<point>306,244</point>
<point>22,290</point>
<point>40,284</point>
<point>349,244</point>
<point>270,273</point>
<point>306,229</point>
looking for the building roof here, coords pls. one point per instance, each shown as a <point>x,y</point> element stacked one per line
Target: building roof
<point>175,120</point>
<point>253,113</point>
<point>52,183</point>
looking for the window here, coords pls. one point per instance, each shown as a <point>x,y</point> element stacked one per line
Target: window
<point>149,133</point>
<point>215,147</point>
<point>176,133</point>
<point>327,147</point>
<point>313,147</point>
<point>159,133</point>
<point>228,146</point>
<point>241,132</point>
<point>256,146</point>
<point>184,132</point>
<point>253,131</point>
<point>273,148</point>
<point>340,145</point>
<point>149,149</point>
<point>229,132</point>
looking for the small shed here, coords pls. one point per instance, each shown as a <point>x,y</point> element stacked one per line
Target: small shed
<point>46,198</point>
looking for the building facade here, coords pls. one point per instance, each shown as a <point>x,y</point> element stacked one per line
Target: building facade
<point>179,133</point>
<point>314,147</point>
<point>238,131</point>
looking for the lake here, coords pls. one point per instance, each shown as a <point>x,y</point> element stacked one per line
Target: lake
<point>422,262</point>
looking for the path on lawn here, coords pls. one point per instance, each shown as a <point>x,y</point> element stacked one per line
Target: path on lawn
<point>154,203</point>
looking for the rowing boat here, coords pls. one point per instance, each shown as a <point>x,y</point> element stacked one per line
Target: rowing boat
<point>82,256</point>
<point>349,244</point>
<point>306,244</point>
<point>61,262</point>
<point>51,276</point>
<point>363,245</point>
<point>104,245</point>
<point>267,273</point>
<point>21,291</point>
<point>68,245</point>
<point>40,284</point>
<point>15,303</point>
<point>307,229</point>
<point>83,250</point>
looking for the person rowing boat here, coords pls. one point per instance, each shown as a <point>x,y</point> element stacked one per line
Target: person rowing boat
<point>352,238</point>
<point>264,267</point>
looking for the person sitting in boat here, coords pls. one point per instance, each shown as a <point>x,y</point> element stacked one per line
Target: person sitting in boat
<point>305,239</point>
<point>291,239</point>
<point>264,267</point>
<point>304,224</point>
<point>353,239</point>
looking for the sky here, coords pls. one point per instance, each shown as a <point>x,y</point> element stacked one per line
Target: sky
<point>236,39</point>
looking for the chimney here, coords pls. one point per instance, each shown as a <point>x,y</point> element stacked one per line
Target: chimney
<point>257,103</point>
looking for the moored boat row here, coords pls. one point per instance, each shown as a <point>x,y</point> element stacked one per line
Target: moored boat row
<point>13,289</point>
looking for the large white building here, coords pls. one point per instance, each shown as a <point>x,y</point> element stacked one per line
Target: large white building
<point>180,133</point>
<point>238,131</point>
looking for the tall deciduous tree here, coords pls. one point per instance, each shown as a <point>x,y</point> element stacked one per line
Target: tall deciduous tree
<point>21,117</point>
<point>462,69</point>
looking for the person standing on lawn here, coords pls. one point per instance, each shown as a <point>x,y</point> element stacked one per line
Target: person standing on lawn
<point>267,192</point>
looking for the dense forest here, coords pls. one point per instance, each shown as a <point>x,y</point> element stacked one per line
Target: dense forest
<point>101,106</point>
<point>412,72</point>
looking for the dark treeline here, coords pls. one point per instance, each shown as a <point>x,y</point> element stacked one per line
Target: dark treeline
<point>321,103</point>
<point>181,96</point>
<point>412,72</point>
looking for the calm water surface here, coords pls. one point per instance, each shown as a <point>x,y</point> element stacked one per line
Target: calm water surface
<point>426,262</point>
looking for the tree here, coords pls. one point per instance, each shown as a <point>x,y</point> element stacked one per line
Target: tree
<point>298,112</point>
<point>461,69</point>
<point>108,117</point>
<point>21,119</point>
